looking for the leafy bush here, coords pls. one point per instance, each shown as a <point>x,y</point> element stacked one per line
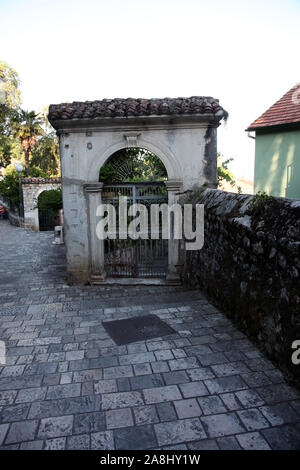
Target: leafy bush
<point>50,199</point>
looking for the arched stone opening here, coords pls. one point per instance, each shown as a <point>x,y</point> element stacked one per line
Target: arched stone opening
<point>32,188</point>
<point>181,132</point>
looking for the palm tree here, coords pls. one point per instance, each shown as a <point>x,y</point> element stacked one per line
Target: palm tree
<point>28,128</point>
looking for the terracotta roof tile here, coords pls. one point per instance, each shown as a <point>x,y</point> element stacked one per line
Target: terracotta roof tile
<point>119,107</point>
<point>284,111</point>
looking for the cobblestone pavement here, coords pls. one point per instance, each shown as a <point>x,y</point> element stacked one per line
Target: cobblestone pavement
<point>67,385</point>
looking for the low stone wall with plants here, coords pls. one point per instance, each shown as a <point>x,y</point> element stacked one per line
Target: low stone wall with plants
<point>249,267</point>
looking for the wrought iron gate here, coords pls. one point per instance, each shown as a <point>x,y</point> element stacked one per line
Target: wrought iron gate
<point>142,257</point>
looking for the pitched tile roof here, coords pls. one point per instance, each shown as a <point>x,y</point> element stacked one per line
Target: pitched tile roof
<point>39,180</point>
<point>118,107</point>
<point>284,111</point>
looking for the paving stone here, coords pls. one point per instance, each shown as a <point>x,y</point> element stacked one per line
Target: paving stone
<point>137,438</point>
<point>89,422</point>
<point>231,401</point>
<point>252,419</point>
<point>145,414</point>
<point>66,378</point>
<point>142,369</point>
<point>163,355</point>
<point>62,406</point>
<point>211,359</point>
<point>256,379</point>
<point>16,383</point>
<point>211,405</point>
<point>233,368</point>
<point>119,418</point>
<point>106,386</point>
<point>32,445</point>
<point>102,441</point>
<point>228,443</point>
<point>205,444</point>
<point>193,389</point>
<point>7,397</point>
<point>161,394</point>
<point>3,432</point>
<point>285,437</point>
<point>166,411</point>
<point>22,431</point>
<point>136,358</point>
<point>81,364</point>
<point>123,384</point>
<point>14,413</point>
<point>221,425</point>
<point>200,373</point>
<point>58,443</point>
<point>176,377</point>
<point>12,371</point>
<point>55,427</point>
<point>52,379</point>
<point>31,394</point>
<point>81,442</point>
<point>252,441</point>
<point>86,375</point>
<point>160,366</point>
<point>146,381</point>
<point>277,393</point>
<point>184,363</point>
<point>63,391</point>
<point>100,362</point>
<point>118,372</point>
<point>184,430</point>
<point>136,348</point>
<point>249,398</point>
<point>187,408</point>
<point>225,384</point>
<point>121,400</point>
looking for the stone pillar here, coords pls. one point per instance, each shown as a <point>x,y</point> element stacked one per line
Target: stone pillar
<point>173,276</point>
<point>96,253</point>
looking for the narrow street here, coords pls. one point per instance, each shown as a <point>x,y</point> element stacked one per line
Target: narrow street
<point>67,385</point>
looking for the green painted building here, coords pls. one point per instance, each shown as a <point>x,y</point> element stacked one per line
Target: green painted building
<point>277,147</point>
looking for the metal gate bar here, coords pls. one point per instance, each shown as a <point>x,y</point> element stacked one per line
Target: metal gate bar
<point>142,257</point>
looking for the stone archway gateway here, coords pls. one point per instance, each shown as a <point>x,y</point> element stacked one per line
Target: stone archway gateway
<point>182,132</point>
<point>32,188</point>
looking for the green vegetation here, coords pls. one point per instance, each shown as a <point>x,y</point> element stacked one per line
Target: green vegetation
<point>9,185</point>
<point>259,199</point>
<point>25,136</point>
<point>133,164</point>
<point>51,199</point>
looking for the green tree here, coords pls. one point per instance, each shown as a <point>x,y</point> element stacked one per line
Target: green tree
<point>27,127</point>
<point>9,185</point>
<point>45,154</point>
<point>9,101</point>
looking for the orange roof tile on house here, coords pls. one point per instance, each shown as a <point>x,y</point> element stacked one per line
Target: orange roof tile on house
<point>284,111</point>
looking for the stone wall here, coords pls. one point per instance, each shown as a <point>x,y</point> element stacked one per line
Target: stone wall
<point>32,188</point>
<point>249,267</point>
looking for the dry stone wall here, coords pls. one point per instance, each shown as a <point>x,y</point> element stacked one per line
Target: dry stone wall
<point>249,266</point>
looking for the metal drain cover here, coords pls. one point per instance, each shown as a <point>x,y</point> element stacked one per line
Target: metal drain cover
<point>135,329</point>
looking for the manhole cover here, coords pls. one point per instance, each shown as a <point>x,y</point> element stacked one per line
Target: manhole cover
<point>134,329</point>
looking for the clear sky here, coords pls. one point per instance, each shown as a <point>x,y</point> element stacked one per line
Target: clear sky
<point>246,53</point>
